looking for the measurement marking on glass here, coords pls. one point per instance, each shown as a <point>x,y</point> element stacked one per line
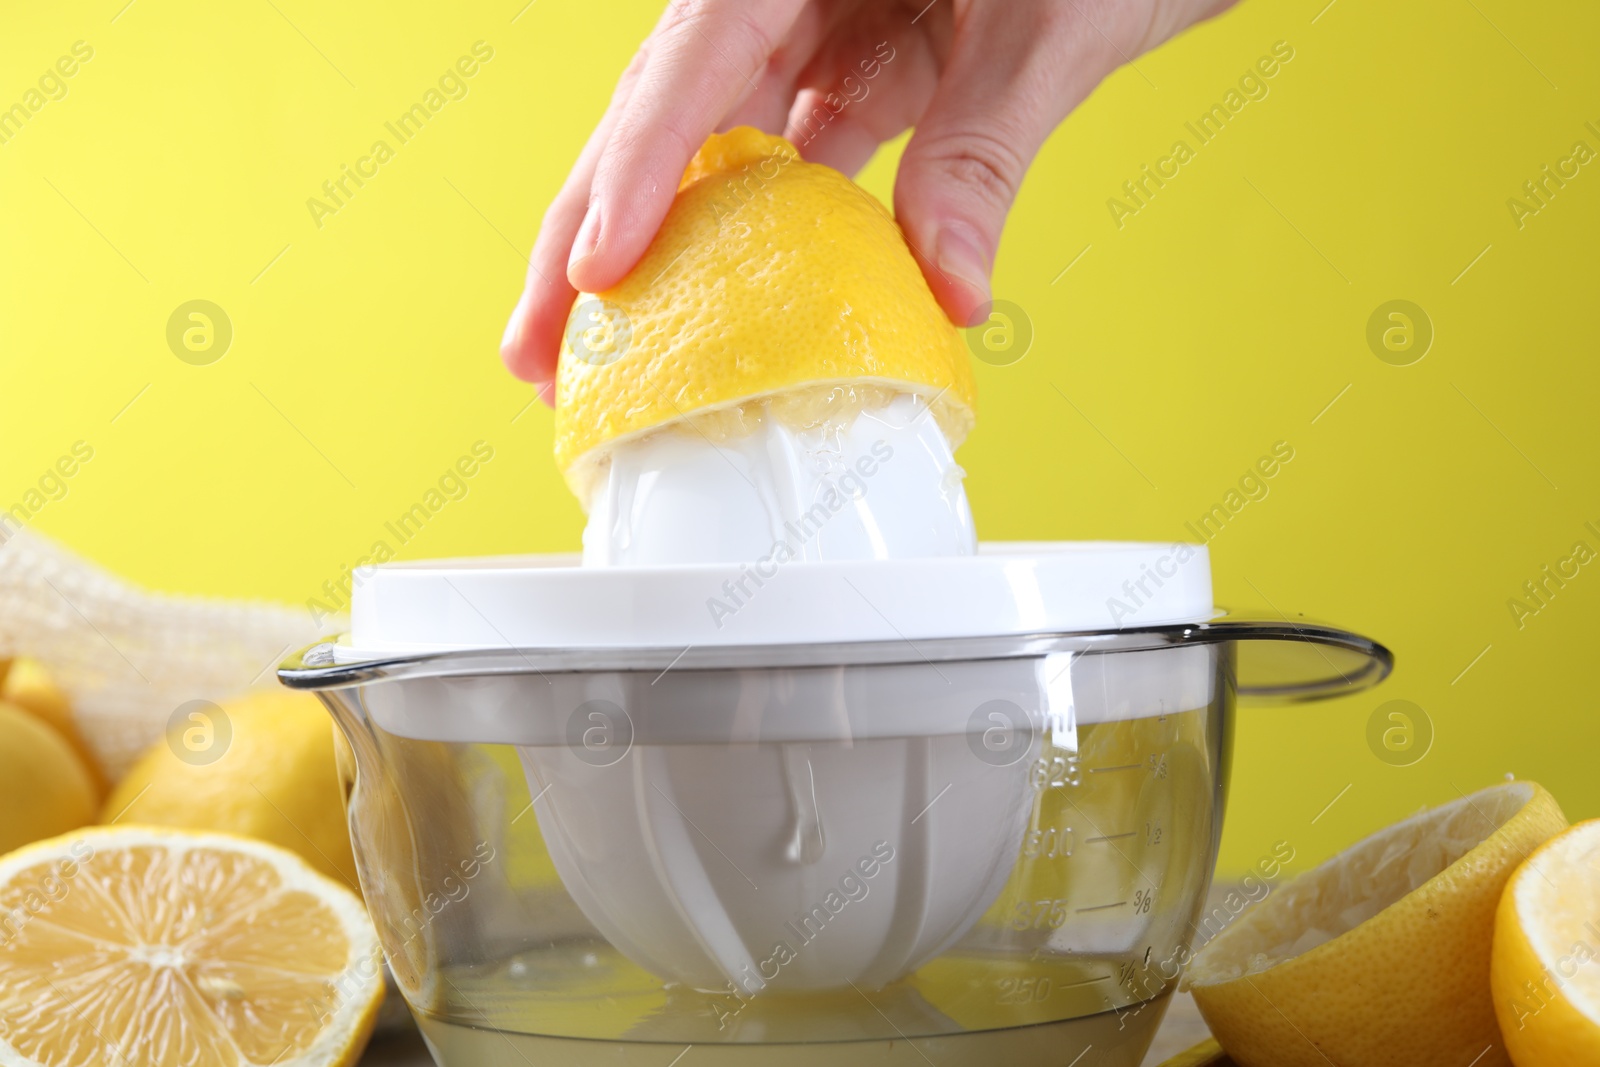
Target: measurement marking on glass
<point>1111,837</point>
<point>1086,981</point>
<point>1123,767</point>
<point>1102,907</point>
<point>1126,858</point>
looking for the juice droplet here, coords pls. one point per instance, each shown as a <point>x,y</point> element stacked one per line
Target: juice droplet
<point>806,843</point>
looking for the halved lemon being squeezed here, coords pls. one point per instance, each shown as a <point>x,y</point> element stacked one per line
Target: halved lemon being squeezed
<point>151,945</point>
<point>775,288</point>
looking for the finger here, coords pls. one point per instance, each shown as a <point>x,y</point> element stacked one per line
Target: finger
<point>704,57</point>
<point>532,340</point>
<point>869,83</point>
<point>766,105</point>
<point>963,166</point>
<point>835,139</point>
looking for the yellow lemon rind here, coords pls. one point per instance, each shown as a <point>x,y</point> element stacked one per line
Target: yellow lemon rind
<point>775,279</point>
<point>45,788</point>
<point>1545,1026</point>
<point>277,781</point>
<point>1409,985</point>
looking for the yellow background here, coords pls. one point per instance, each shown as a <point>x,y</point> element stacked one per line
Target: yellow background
<point>1223,317</point>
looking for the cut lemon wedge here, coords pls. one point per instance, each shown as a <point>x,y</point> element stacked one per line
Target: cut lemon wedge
<point>151,945</point>
<point>1545,971</point>
<point>1380,955</point>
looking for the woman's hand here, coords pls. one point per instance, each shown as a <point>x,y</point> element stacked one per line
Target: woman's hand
<point>983,81</point>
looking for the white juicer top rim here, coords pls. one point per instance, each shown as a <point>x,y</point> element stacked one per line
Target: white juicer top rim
<point>550,602</point>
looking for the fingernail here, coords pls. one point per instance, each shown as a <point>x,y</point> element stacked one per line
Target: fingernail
<point>588,238</point>
<point>962,258</point>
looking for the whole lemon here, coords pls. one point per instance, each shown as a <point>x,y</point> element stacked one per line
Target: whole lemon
<point>274,779</point>
<point>28,685</point>
<point>45,789</point>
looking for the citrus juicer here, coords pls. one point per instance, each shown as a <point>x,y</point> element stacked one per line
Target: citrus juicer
<point>939,806</point>
<point>787,759</point>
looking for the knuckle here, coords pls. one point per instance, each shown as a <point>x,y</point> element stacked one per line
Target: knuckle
<point>643,137</point>
<point>739,36</point>
<point>680,24</point>
<point>1060,21</point>
<point>564,209</point>
<point>638,144</point>
<point>984,162</point>
<point>637,64</point>
<point>1106,24</point>
<point>680,12</point>
<point>751,37</point>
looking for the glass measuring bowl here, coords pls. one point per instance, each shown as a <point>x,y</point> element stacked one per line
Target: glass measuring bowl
<point>818,794</point>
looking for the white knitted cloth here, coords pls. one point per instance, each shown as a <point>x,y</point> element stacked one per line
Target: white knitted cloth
<point>128,658</point>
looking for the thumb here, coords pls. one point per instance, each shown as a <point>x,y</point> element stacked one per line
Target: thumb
<point>986,121</point>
